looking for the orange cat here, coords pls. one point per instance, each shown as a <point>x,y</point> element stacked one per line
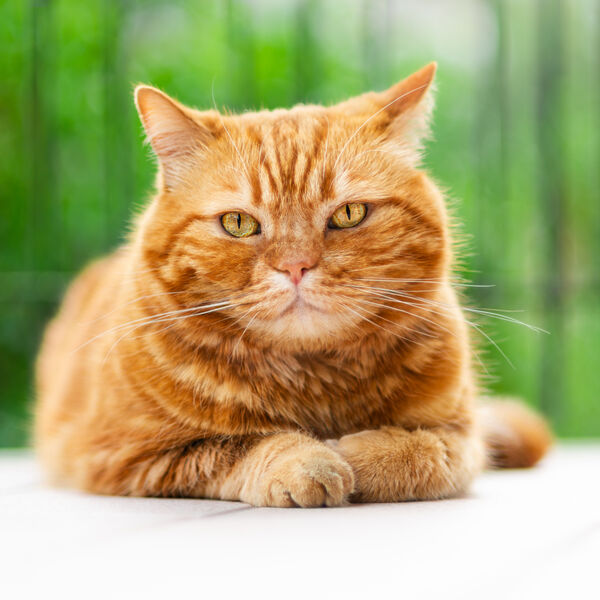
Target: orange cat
<point>281,327</point>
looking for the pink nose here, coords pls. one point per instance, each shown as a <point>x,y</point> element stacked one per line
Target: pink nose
<point>295,270</point>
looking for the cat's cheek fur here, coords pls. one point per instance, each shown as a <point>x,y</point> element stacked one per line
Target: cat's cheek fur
<point>393,464</point>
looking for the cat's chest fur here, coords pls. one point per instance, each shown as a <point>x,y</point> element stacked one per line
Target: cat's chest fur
<point>327,394</point>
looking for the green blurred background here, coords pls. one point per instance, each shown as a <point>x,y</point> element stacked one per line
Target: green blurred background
<point>517,146</point>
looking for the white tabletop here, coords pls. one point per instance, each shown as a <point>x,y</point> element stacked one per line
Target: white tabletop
<point>518,534</point>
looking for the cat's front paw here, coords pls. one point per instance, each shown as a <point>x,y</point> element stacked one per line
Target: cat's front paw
<point>306,477</point>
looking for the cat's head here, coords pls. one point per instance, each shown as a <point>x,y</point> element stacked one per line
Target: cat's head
<point>298,219</point>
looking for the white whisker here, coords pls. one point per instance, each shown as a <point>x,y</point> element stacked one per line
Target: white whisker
<point>325,151</point>
<point>163,320</point>
<point>378,316</point>
<point>261,157</point>
<point>242,334</point>
<point>493,313</point>
<point>421,317</point>
<point>447,313</point>
<point>229,135</point>
<point>372,117</point>
<point>453,281</point>
<point>148,319</point>
<point>127,304</point>
<point>362,317</point>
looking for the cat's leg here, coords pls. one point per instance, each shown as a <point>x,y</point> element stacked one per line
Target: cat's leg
<point>392,464</point>
<point>282,469</point>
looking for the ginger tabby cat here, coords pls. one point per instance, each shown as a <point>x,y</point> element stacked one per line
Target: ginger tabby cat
<point>281,327</point>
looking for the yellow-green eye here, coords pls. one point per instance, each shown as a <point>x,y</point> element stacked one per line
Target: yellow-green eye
<point>240,224</point>
<point>348,215</point>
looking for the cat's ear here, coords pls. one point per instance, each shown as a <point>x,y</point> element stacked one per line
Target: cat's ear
<point>411,97</point>
<point>175,132</point>
<point>403,111</point>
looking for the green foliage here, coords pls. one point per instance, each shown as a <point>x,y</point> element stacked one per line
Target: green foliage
<point>517,145</point>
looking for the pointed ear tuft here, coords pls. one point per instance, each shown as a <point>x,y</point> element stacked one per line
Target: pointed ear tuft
<point>410,92</point>
<point>408,108</point>
<point>402,112</point>
<point>175,132</point>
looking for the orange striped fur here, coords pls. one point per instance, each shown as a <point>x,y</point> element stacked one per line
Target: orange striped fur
<point>188,364</point>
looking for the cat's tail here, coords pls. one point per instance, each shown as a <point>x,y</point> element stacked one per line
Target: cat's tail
<point>515,436</point>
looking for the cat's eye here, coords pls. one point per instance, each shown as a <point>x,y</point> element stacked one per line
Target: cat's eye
<point>240,224</point>
<point>349,215</point>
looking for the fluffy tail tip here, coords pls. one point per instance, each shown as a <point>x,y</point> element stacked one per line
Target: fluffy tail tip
<point>515,436</point>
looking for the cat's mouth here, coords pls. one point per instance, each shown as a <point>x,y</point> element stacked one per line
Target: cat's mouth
<point>300,305</point>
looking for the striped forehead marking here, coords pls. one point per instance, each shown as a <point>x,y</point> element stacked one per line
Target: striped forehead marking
<point>288,154</point>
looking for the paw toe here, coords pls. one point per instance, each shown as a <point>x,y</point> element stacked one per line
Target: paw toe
<point>310,481</point>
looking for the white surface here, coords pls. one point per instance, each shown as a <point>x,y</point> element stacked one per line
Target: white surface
<point>519,534</point>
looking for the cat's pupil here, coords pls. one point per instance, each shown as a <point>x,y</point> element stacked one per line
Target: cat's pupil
<point>348,211</point>
<point>239,220</point>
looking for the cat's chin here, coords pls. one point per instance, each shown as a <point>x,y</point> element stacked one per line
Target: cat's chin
<point>304,324</point>
<point>302,309</point>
